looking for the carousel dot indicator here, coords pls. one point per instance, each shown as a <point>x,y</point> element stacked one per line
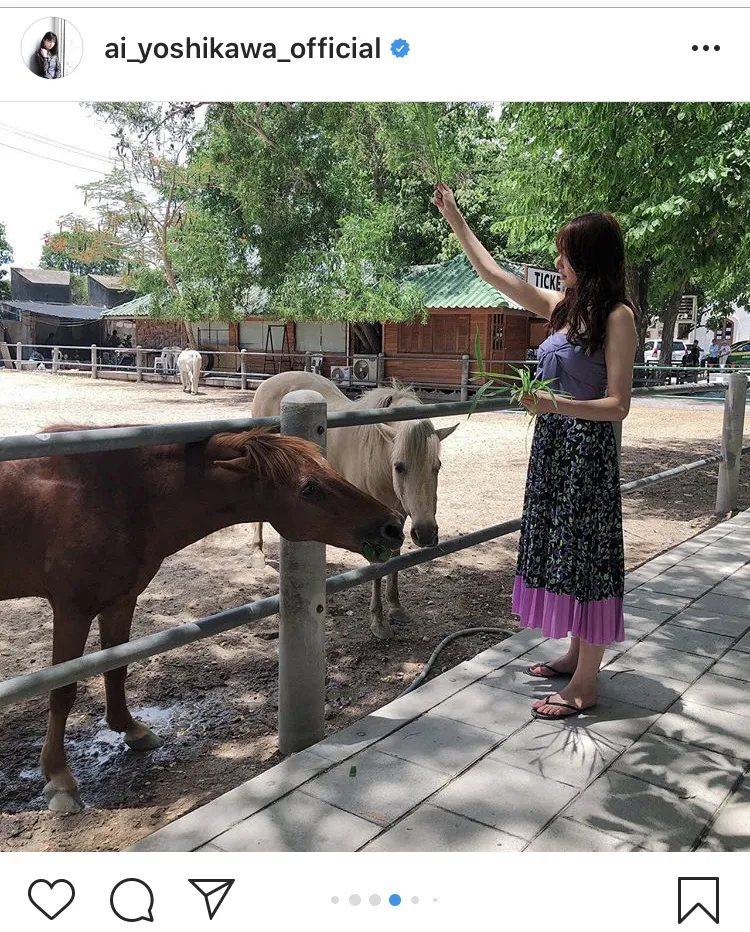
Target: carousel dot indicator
<point>415,899</point>
<point>334,899</point>
<point>355,899</point>
<point>394,899</point>
<point>375,900</point>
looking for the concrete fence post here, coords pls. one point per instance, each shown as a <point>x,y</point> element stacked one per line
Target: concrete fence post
<point>94,364</point>
<point>731,444</point>
<point>55,359</point>
<point>465,377</point>
<point>308,361</point>
<point>139,363</point>
<point>302,602</point>
<point>19,356</point>
<point>243,370</point>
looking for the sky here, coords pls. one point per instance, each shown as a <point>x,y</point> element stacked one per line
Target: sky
<point>37,188</point>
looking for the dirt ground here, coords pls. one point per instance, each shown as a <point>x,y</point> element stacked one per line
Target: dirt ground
<point>214,704</point>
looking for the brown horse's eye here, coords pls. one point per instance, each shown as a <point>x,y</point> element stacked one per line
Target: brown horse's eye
<point>400,467</point>
<point>309,488</point>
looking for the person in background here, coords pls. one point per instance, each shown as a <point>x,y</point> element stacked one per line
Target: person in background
<point>47,58</point>
<point>723,353</point>
<point>713,353</point>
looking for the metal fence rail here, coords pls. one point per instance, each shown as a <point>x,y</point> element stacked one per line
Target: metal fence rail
<point>41,681</point>
<point>28,446</point>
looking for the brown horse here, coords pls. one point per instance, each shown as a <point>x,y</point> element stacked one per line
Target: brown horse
<point>88,532</point>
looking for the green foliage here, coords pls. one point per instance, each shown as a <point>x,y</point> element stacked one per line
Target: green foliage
<point>81,249</point>
<point>6,257</point>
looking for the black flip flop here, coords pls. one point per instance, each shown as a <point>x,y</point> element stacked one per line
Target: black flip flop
<point>565,705</point>
<point>542,676</point>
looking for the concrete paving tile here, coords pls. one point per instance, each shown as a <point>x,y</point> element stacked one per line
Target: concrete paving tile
<point>514,677</point>
<point>497,710</point>
<point>616,724</point>
<point>620,682</point>
<point>687,770</point>
<point>743,643</point>
<point>377,787</point>
<point>650,657</point>
<point>720,692</point>
<point>439,743</point>
<point>298,823</point>
<point>714,621</point>
<point>195,829</point>
<point>687,585</point>
<point>566,835</point>
<point>731,830</point>
<point>737,586</point>
<point>690,640</point>
<point>430,828</point>
<point>554,751</point>
<point>655,601</point>
<point>641,813</point>
<point>504,797</point>
<point>728,605</point>
<point>735,664</point>
<point>710,728</point>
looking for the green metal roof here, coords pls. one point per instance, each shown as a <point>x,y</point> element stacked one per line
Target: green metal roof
<point>138,307</point>
<point>456,284</point>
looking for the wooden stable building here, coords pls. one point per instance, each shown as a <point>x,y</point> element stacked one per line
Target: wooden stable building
<point>459,305</point>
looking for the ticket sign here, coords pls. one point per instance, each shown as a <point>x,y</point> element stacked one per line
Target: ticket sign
<point>543,278</point>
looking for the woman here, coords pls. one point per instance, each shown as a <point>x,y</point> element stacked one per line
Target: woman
<point>47,59</point>
<point>570,571</point>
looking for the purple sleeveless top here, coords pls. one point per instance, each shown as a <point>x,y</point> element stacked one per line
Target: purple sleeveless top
<point>582,377</point>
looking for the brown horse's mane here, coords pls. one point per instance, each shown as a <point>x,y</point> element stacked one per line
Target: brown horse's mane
<point>271,457</point>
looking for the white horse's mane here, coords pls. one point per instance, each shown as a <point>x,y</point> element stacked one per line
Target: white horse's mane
<point>409,437</point>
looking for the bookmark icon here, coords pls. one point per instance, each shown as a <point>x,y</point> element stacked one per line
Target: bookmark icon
<point>214,893</point>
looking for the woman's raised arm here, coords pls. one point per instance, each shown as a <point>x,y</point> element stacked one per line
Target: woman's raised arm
<point>539,300</point>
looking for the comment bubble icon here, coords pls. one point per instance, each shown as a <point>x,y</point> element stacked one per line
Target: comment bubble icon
<point>132,900</point>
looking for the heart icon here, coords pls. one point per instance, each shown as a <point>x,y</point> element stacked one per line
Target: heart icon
<point>52,898</point>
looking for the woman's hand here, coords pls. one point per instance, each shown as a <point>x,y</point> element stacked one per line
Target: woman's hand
<point>44,52</point>
<point>539,403</point>
<point>445,202</point>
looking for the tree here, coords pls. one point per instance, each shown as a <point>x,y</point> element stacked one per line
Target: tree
<point>6,257</point>
<point>82,249</point>
<point>672,174</point>
<point>332,207</point>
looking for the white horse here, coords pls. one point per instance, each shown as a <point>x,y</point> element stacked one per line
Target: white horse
<point>189,364</point>
<point>396,463</point>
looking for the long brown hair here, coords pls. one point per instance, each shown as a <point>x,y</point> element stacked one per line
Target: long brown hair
<point>593,245</point>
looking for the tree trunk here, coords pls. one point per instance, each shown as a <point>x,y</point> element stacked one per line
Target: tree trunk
<point>191,332</point>
<point>669,319</point>
<point>369,334</point>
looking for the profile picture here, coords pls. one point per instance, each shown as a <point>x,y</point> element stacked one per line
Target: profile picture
<point>51,48</point>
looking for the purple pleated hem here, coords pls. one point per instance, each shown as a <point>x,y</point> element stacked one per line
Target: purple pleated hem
<point>600,622</point>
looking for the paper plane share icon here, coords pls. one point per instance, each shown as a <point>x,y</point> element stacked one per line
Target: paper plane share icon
<point>214,892</point>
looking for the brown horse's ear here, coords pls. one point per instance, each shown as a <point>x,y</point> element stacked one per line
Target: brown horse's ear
<point>235,465</point>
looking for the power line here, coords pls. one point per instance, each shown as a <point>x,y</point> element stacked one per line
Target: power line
<point>76,150</point>
<point>49,158</point>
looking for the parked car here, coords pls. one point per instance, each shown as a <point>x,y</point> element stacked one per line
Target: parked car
<point>739,355</point>
<point>652,351</point>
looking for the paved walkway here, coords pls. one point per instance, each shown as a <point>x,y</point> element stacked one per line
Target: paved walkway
<point>460,764</point>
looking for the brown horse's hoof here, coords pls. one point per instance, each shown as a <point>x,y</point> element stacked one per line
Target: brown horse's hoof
<point>381,630</point>
<point>145,742</point>
<point>66,802</point>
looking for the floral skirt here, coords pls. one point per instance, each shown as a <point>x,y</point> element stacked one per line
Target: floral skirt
<point>570,574</point>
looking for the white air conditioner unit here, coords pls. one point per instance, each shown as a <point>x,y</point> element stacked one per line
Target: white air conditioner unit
<point>341,375</point>
<point>365,370</point>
